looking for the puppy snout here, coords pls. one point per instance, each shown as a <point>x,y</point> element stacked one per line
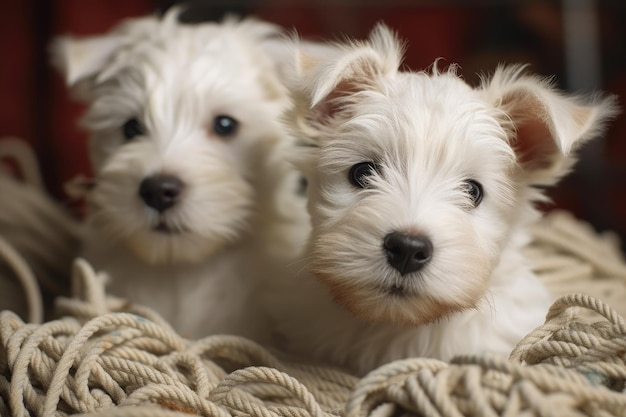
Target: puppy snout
<point>407,253</point>
<point>160,191</point>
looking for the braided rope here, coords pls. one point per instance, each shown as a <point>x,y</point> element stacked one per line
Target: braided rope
<point>44,235</point>
<point>26,279</point>
<point>480,386</point>
<point>98,357</point>
<point>107,357</point>
<point>571,257</point>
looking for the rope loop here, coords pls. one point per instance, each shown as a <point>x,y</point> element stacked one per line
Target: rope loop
<point>108,357</point>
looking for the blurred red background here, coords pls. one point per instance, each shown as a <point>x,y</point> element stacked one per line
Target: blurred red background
<point>581,42</point>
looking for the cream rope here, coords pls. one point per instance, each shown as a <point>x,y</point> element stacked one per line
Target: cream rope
<point>26,279</point>
<point>33,225</point>
<point>570,257</point>
<point>99,360</point>
<point>482,386</point>
<point>88,363</point>
<point>107,357</point>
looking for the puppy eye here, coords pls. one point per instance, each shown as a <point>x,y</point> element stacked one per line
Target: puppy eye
<point>132,128</point>
<point>225,126</point>
<point>359,172</point>
<point>475,191</point>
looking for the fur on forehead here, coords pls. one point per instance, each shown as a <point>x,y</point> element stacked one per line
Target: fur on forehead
<point>140,40</point>
<point>542,125</point>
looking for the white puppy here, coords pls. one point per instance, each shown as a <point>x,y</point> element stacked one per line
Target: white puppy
<point>421,190</point>
<point>190,197</point>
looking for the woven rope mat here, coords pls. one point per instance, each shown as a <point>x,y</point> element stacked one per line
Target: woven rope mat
<point>110,358</point>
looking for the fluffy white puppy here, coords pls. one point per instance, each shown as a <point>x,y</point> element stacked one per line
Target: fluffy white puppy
<point>421,191</point>
<point>190,198</point>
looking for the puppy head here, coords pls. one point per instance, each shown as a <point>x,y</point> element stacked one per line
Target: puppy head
<point>181,119</point>
<point>417,181</point>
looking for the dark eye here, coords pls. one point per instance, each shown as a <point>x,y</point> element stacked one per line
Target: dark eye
<point>475,191</point>
<point>225,125</point>
<point>132,128</point>
<point>359,172</point>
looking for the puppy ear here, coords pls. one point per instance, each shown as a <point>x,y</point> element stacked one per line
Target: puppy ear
<point>82,58</point>
<point>546,126</point>
<point>329,77</point>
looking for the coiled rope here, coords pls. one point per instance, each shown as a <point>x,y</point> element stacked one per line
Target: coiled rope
<point>26,279</point>
<point>46,237</point>
<point>577,368</point>
<point>571,257</point>
<point>107,357</point>
<point>98,357</point>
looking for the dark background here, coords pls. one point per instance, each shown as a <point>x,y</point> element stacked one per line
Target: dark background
<point>581,42</point>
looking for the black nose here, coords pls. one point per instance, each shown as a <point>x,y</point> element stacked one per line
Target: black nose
<point>160,191</point>
<point>407,253</point>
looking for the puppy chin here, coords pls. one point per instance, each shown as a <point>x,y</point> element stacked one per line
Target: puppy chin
<point>158,248</point>
<point>395,305</point>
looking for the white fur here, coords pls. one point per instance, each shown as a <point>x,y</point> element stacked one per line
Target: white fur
<point>234,213</point>
<point>427,132</point>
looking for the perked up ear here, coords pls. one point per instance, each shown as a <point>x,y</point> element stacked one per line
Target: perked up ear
<point>328,77</point>
<point>546,126</point>
<point>81,58</point>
